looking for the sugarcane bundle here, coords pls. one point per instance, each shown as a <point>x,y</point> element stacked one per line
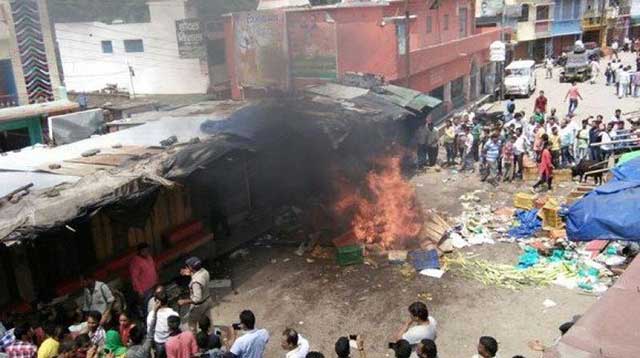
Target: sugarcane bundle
<point>507,276</point>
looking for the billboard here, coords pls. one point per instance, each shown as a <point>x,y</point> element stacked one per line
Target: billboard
<point>190,34</point>
<point>489,8</point>
<point>312,45</point>
<point>259,53</point>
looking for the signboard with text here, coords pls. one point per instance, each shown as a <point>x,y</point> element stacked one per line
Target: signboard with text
<point>190,34</point>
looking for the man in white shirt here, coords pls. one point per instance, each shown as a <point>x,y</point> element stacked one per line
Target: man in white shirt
<point>162,331</point>
<point>487,348</point>
<point>253,342</point>
<point>295,345</point>
<point>419,326</point>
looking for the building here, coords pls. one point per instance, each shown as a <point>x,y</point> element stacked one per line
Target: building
<point>446,55</point>
<point>166,55</point>
<point>28,67</point>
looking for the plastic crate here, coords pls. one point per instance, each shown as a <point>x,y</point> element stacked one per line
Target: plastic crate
<point>562,175</point>
<point>350,255</point>
<point>524,201</point>
<point>551,219</point>
<point>530,173</point>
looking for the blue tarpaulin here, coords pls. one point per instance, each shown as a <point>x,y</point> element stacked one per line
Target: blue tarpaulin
<point>529,224</point>
<point>609,212</point>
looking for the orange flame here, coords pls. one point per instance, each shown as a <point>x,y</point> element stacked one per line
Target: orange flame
<point>387,212</point>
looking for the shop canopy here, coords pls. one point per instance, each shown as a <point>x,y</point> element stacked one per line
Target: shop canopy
<point>609,212</point>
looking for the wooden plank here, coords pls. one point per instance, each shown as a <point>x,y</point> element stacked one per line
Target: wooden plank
<point>131,237</point>
<point>113,160</point>
<point>188,210</point>
<point>179,201</point>
<point>97,237</point>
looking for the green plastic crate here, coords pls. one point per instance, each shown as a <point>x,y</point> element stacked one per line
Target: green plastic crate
<point>350,255</point>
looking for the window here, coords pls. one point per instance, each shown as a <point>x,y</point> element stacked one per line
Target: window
<point>462,18</point>
<point>446,22</point>
<point>542,12</point>
<point>429,24</point>
<point>133,46</point>
<point>107,47</point>
<point>524,15</point>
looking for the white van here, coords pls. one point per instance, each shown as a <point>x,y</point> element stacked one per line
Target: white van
<point>520,78</point>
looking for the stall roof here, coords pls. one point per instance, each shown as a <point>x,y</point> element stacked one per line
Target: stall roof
<point>38,109</point>
<point>609,328</point>
<point>408,98</point>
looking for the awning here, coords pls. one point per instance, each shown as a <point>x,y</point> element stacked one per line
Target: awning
<point>609,328</point>
<point>408,98</point>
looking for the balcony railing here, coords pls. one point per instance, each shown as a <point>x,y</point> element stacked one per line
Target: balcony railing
<point>8,101</point>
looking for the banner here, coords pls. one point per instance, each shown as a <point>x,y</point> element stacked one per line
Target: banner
<point>489,8</point>
<point>312,45</point>
<point>259,55</point>
<point>190,34</point>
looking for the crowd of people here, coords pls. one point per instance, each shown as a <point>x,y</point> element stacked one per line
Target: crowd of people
<point>500,146</point>
<point>161,336</point>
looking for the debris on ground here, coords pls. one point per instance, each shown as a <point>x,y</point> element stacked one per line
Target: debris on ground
<point>241,253</point>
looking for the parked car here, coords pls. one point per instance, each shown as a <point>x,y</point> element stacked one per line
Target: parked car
<point>520,79</point>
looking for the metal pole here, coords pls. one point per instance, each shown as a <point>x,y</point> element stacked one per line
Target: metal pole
<point>502,39</point>
<point>407,51</point>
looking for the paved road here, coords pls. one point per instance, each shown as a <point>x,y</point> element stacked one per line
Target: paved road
<point>598,98</point>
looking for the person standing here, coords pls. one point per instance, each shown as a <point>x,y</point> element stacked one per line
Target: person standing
<point>595,70</point>
<point>545,167</point>
<point>541,103</point>
<point>548,65</point>
<point>573,94</point>
<point>510,109</point>
<point>467,139</point>
<point>594,137</point>
<point>608,74</point>
<point>97,297</point>
<point>554,143</point>
<point>22,347</point>
<point>253,342</point>
<point>519,150</point>
<point>294,344</point>
<point>605,138</point>
<point>448,140</point>
<point>160,315</point>
<point>624,82</point>
<point>491,154</point>
<point>144,275</point>
<point>476,131</point>
<point>508,159</point>
<point>199,301</point>
<point>487,347</point>
<point>96,332</point>
<point>566,143</point>
<point>614,49</point>
<point>583,141</point>
<point>180,344</point>
<point>431,143</point>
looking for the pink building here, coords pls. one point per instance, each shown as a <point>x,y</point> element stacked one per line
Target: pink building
<point>286,48</point>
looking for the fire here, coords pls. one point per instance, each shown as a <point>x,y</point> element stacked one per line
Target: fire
<point>385,212</point>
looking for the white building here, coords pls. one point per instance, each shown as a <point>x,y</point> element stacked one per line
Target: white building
<point>142,58</point>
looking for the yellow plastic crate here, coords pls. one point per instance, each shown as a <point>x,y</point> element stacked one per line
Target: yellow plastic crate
<point>524,201</point>
<point>551,219</point>
<point>530,173</point>
<point>562,175</point>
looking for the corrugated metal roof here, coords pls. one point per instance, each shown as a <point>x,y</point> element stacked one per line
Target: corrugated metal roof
<point>408,98</point>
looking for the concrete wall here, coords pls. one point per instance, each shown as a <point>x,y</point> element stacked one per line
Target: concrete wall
<point>158,70</point>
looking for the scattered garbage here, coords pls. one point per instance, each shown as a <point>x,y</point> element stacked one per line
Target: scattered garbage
<point>241,253</point>
<point>424,259</point>
<point>397,256</point>
<point>547,303</point>
<point>221,283</point>
<point>436,273</point>
<point>529,224</point>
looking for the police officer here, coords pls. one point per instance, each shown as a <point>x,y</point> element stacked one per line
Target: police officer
<point>199,301</point>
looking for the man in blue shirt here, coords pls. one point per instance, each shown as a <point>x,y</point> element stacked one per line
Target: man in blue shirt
<point>491,154</point>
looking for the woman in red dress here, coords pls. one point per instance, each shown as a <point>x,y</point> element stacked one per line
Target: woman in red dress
<point>546,165</point>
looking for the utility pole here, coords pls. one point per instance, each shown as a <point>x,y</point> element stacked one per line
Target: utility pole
<point>407,50</point>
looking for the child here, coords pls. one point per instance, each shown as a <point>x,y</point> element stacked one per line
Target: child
<point>508,159</point>
<point>545,167</point>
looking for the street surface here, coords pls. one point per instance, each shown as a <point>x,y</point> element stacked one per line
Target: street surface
<point>598,98</point>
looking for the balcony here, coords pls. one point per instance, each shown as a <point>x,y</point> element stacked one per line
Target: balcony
<point>591,22</point>
<point>542,28</point>
<point>432,56</point>
<point>8,101</point>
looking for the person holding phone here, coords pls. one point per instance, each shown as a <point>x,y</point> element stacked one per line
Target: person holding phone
<point>252,343</point>
<point>419,326</point>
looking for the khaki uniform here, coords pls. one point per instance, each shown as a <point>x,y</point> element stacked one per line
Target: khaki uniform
<point>200,296</point>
